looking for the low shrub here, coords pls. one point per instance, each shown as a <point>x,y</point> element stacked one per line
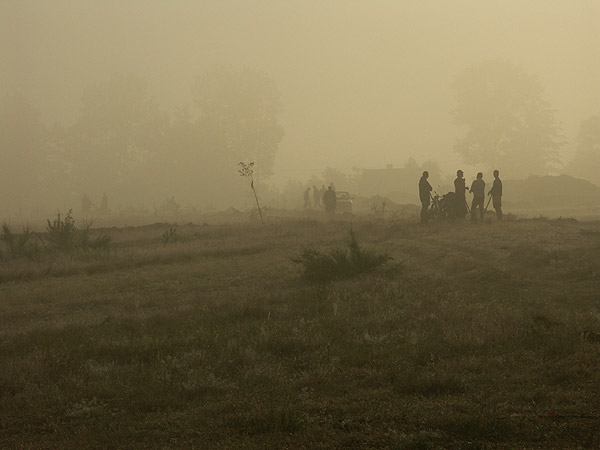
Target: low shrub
<point>169,236</point>
<point>19,245</point>
<point>339,263</point>
<point>65,236</point>
<point>61,232</point>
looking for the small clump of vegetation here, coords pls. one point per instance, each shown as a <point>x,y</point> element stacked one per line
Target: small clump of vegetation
<point>19,245</point>
<point>169,236</point>
<point>340,263</point>
<point>61,232</point>
<point>63,235</point>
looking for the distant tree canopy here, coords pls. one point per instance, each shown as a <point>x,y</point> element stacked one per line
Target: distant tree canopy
<point>509,125</point>
<point>124,144</point>
<point>122,139</point>
<point>24,152</point>
<point>234,117</point>
<point>243,107</point>
<point>586,161</point>
<point>118,131</point>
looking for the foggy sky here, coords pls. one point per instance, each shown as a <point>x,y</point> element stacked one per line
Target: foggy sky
<point>363,83</point>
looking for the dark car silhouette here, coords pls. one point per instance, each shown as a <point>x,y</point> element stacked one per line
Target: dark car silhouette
<point>343,202</point>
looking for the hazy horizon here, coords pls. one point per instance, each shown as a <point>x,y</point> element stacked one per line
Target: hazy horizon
<point>362,84</point>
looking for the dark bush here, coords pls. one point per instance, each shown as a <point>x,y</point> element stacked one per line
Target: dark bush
<point>169,236</point>
<point>340,263</point>
<point>19,245</point>
<point>61,232</point>
<point>64,235</point>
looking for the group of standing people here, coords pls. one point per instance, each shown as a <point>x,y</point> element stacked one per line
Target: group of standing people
<point>322,198</point>
<point>460,206</point>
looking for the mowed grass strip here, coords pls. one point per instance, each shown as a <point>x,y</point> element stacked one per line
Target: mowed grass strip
<point>240,351</point>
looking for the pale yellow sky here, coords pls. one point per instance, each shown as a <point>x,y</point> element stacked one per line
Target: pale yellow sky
<point>363,83</point>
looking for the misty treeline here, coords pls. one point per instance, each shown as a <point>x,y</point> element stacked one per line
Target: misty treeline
<point>510,126</point>
<point>124,144</point>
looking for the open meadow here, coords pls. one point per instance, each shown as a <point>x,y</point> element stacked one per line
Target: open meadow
<point>472,336</point>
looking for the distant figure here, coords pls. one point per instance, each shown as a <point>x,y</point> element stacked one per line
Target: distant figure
<point>316,197</point>
<point>86,204</point>
<point>104,203</point>
<point>330,200</point>
<point>478,191</point>
<point>424,194</point>
<point>170,205</point>
<point>460,206</point>
<point>307,198</point>
<point>322,196</point>
<point>496,193</point>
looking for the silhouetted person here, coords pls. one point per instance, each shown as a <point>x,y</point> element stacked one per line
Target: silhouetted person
<point>425,195</point>
<point>496,193</point>
<point>172,206</point>
<point>316,197</point>
<point>307,198</point>
<point>322,196</point>
<point>460,206</point>
<point>330,200</point>
<point>478,191</point>
<point>104,203</point>
<point>86,204</point>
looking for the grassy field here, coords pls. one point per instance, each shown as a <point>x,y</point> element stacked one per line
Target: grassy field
<point>472,337</point>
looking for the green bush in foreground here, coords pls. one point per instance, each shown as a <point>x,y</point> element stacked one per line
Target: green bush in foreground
<point>338,263</point>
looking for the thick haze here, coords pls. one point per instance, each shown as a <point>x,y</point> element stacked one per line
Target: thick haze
<point>362,83</point>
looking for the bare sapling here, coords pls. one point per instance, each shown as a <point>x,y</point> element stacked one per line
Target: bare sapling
<point>247,171</point>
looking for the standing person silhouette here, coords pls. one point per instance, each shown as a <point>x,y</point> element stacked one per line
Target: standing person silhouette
<point>424,194</point>
<point>496,193</point>
<point>460,206</point>
<point>478,191</point>
<point>330,200</point>
<point>307,198</point>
